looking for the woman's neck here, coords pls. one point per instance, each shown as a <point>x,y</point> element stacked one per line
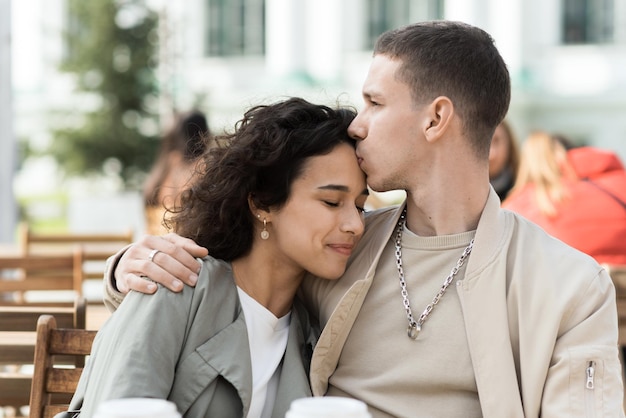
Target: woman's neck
<point>268,282</point>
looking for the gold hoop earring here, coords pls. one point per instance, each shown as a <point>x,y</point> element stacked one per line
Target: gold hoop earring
<point>265,233</point>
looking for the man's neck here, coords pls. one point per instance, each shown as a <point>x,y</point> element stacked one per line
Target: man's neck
<point>446,209</point>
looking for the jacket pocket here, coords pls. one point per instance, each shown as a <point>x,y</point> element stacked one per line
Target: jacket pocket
<point>595,386</point>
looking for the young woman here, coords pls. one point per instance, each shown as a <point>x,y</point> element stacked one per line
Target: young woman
<point>283,195</point>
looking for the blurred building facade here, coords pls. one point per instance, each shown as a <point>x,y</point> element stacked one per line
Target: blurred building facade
<point>565,58</point>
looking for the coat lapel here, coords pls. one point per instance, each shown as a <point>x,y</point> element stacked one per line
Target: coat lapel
<point>225,354</point>
<point>485,280</point>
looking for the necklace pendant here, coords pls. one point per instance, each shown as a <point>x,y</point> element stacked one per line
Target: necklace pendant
<point>413,330</point>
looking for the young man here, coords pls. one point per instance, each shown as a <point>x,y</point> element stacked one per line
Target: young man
<point>450,305</point>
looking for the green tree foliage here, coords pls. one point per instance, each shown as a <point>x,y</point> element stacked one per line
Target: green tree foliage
<point>112,49</point>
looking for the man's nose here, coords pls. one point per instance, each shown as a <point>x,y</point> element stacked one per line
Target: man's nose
<point>356,130</point>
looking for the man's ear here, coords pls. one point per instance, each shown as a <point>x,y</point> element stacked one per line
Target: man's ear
<point>440,113</point>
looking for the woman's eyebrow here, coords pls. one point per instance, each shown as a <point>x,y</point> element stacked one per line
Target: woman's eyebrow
<point>338,187</point>
<point>341,188</point>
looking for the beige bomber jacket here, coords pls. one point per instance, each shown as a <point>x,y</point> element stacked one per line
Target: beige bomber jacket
<point>539,314</point>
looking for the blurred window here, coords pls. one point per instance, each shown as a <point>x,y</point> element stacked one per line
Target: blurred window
<point>235,27</point>
<point>383,15</point>
<point>588,21</point>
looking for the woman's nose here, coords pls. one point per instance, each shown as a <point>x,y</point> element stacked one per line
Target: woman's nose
<point>353,222</point>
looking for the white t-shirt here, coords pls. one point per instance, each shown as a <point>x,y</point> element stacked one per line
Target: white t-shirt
<point>268,339</point>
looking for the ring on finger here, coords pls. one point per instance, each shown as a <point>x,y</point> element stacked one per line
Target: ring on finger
<point>152,254</point>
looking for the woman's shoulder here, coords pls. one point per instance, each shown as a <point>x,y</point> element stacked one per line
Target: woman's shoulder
<point>215,283</point>
<point>212,271</point>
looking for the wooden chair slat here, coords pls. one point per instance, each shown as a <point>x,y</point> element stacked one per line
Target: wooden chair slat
<point>26,272</point>
<point>17,352</point>
<point>37,262</point>
<point>75,342</point>
<point>50,282</point>
<point>14,389</point>
<point>24,318</point>
<point>28,238</point>
<point>62,380</point>
<point>618,276</point>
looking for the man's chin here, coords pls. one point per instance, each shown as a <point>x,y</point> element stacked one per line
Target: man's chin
<point>376,186</point>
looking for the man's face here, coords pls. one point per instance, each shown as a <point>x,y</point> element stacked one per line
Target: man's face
<point>387,128</point>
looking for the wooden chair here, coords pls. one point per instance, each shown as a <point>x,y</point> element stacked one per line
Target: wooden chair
<point>97,248</point>
<point>23,273</point>
<point>18,325</point>
<point>52,387</point>
<point>618,275</point>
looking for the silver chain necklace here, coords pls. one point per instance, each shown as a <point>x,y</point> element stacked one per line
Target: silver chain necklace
<point>416,326</point>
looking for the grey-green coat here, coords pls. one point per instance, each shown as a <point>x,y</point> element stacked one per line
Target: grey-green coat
<point>191,348</point>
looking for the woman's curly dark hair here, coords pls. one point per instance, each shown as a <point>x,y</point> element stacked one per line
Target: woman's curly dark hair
<point>260,159</point>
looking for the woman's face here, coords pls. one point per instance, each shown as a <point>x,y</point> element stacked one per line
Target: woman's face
<point>320,224</point>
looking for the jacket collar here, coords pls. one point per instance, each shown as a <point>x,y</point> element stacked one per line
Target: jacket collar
<point>484,305</point>
<point>489,238</point>
<point>227,353</point>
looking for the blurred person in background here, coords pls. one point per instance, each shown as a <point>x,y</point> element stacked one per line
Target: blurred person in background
<point>503,159</point>
<point>174,168</point>
<point>576,195</point>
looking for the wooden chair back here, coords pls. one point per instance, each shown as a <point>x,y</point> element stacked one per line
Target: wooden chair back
<point>52,387</point>
<point>18,325</point>
<point>22,273</point>
<point>618,275</point>
<point>96,247</point>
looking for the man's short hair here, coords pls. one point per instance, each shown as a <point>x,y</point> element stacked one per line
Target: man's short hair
<point>456,60</point>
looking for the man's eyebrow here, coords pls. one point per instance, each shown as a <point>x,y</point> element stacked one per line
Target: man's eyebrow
<point>341,188</point>
<point>370,94</point>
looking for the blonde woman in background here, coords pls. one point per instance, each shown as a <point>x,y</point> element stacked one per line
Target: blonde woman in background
<point>576,195</point>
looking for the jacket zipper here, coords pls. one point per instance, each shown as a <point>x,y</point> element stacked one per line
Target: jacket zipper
<point>589,389</point>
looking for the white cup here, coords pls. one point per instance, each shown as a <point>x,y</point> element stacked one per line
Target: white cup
<point>137,408</point>
<point>327,407</point>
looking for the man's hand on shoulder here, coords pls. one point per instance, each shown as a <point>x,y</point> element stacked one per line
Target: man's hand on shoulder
<point>169,260</point>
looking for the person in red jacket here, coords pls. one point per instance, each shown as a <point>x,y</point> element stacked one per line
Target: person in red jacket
<point>576,195</point>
